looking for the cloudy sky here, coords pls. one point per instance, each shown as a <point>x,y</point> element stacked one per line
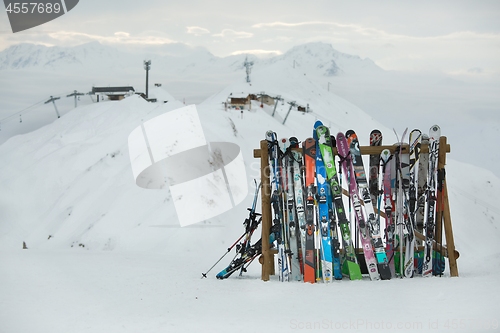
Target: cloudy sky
<point>456,37</point>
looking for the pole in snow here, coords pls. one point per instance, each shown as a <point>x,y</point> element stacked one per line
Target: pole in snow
<point>75,93</point>
<point>53,99</point>
<point>276,100</point>
<point>248,66</point>
<point>147,67</point>
<point>292,104</point>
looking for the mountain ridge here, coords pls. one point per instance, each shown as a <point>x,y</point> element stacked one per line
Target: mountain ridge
<point>27,55</point>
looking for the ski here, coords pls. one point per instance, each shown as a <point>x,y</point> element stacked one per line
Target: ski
<point>344,153</point>
<point>277,204</point>
<point>309,147</point>
<point>251,223</point>
<point>291,225</point>
<point>410,199</point>
<point>386,159</point>
<point>299,201</point>
<point>373,223</point>
<point>239,263</point>
<point>337,263</point>
<point>401,180</point>
<point>422,186</point>
<point>375,141</point>
<point>323,212</point>
<point>326,150</point>
<point>430,199</point>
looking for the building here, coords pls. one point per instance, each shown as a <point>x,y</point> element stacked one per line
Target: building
<point>113,93</point>
<point>239,100</point>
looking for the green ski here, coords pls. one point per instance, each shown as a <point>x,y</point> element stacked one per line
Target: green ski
<point>325,145</point>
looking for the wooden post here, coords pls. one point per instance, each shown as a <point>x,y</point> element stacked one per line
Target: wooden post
<point>446,216</point>
<point>448,231</point>
<point>267,255</point>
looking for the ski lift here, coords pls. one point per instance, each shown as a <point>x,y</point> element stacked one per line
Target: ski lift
<point>20,119</point>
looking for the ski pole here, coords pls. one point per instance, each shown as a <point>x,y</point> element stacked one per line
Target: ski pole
<point>204,275</point>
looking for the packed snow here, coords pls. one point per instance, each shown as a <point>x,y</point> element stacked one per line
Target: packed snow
<point>105,255</point>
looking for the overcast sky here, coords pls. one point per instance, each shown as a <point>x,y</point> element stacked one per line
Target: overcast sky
<point>450,36</point>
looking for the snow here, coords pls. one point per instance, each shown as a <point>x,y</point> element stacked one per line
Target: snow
<point>105,255</point>
<point>80,291</point>
<point>30,74</point>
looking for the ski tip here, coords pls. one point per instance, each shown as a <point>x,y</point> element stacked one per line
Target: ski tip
<point>375,133</point>
<point>294,142</point>
<point>270,135</point>
<point>318,123</point>
<point>333,141</point>
<point>350,133</point>
<point>375,138</point>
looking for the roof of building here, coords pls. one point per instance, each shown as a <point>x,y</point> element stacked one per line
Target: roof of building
<point>112,90</point>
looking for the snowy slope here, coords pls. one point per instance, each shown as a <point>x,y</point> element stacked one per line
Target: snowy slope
<point>191,73</point>
<point>105,255</point>
<point>30,74</point>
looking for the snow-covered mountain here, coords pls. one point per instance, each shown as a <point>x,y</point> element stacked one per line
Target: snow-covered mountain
<point>104,253</point>
<point>187,72</point>
<point>324,57</point>
<point>29,56</point>
<point>30,74</point>
<point>88,56</point>
<point>323,60</point>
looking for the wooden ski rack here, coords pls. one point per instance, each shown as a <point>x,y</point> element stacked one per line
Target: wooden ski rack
<point>443,216</point>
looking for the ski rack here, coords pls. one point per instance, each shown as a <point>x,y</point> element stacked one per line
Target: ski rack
<point>443,215</point>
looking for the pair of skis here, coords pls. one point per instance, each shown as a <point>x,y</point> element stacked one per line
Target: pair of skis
<point>284,163</point>
<point>409,200</point>
<point>245,251</point>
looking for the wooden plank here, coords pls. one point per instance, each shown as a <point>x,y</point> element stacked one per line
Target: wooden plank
<point>443,249</point>
<point>267,255</point>
<point>368,150</point>
<point>448,232</point>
